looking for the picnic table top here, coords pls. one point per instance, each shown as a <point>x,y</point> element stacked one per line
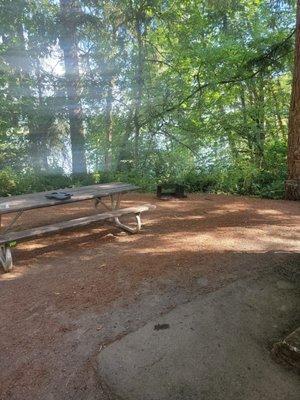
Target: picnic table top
<point>38,200</point>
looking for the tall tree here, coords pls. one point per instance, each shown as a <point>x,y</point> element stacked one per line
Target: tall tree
<point>138,80</point>
<point>149,86</point>
<point>293,182</point>
<point>70,13</point>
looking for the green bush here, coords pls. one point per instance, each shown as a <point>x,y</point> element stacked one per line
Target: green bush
<point>8,182</point>
<point>242,179</point>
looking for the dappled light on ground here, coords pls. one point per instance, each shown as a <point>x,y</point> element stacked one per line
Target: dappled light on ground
<point>199,225</point>
<point>61,284</point>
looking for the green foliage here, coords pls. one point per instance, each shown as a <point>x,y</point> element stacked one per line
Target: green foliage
<point>242,180</point>
<point>8,182</point>
<point>193,92</point>
<point>243,177</point>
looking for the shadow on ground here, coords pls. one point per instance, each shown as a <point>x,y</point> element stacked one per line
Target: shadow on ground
<point>74,293</point>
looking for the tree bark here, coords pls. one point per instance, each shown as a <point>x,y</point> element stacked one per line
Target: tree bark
<point>257,133</point>
<point>38,118</point>
<point>70,11</point>
<point>123,154</point>
<point>292,187</point>
<point>138,87</point>
<point>109,125</point>
<point>277,109</point>
<point>260,121</point>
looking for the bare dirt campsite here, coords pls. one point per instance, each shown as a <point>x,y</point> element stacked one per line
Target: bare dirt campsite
<point>214,274</point>
<point>149,200</point>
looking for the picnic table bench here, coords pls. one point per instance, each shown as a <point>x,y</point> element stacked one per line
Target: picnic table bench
<point>96,193</point>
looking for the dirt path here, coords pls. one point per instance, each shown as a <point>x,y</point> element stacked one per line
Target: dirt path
<point>71,294</point>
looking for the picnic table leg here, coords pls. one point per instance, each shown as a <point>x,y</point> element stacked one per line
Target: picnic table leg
<point>115,205</point>
<point>115,200</point>
<point>96,202</point>
<point>6,258</point>
<point>12,223</point>
<point>127,228</point>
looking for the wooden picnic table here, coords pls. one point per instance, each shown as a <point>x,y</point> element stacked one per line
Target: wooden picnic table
<point>22,203</point>
<point>37,200</point>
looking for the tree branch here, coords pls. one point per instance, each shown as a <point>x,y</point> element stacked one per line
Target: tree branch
<point>235,79</point>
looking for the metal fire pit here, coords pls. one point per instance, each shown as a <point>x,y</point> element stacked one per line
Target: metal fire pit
<point>168,191</point>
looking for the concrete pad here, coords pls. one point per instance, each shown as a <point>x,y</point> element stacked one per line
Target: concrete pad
<point>213,348</point>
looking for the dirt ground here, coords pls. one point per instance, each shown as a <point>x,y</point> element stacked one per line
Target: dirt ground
<point>71,294</point>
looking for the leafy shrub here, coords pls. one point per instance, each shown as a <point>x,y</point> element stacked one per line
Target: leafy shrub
<point>8,182</point>
<point>242,178</point>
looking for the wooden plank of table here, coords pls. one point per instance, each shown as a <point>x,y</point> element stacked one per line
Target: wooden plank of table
<point>38,200</point>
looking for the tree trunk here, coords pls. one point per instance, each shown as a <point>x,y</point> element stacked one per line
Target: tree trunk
<point>260,121</point>
<point>274,94</point>
<point>40,122</point>
<point>123,154</point>
<point>292,188</point>
<point>257,115</point>
<point>138,88</point>
<point>247,132</point>
<point>37,119</point>
<point>70,10</point>
<point>109,125</point>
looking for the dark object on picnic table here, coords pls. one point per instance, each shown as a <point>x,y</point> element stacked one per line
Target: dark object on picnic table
<point>59,195</point>
<point>178,191</point>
